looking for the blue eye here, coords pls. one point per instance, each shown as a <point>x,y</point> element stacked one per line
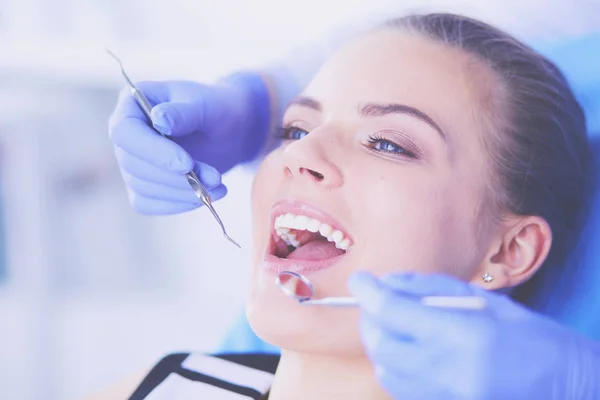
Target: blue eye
<point>292,133</point>
<point>386,146</point>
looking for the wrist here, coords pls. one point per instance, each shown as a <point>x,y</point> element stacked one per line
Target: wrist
<point>259,112</point>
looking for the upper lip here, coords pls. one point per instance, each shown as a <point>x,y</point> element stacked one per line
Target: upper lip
<point>298,207</point>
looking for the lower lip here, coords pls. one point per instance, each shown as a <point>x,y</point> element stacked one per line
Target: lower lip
<point>275,265</point>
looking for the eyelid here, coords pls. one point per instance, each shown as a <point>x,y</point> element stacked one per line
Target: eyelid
<point>401,139</point>
<point>297,113</point>
<point>296,123</point>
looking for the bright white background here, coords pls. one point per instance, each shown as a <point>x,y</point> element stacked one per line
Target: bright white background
<point>92,291</point>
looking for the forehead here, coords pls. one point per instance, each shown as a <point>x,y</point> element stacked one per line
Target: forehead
<point>395,67</point>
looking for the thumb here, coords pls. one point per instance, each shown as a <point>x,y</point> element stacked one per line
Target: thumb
<point>427,284</point>
<point>180,118</point>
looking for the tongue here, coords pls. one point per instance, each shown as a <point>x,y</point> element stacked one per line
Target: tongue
<point>315,250</point>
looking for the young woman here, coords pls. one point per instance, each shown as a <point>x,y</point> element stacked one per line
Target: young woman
<point>435,155</point>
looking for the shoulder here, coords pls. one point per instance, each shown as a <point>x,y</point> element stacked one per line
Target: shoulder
<point>207,376</point>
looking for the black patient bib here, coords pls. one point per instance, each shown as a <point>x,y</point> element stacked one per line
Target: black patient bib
<point>214,377</point>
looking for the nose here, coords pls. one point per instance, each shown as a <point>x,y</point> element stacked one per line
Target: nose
<point>307,160</point>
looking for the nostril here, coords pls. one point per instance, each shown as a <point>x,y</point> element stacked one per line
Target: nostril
<point>316,174</point>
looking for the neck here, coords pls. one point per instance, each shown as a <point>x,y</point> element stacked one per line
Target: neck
<point>310,376</point>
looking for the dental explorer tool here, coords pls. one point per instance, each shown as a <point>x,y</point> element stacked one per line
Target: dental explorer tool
<point>301,284</point>
<point>191,177</point>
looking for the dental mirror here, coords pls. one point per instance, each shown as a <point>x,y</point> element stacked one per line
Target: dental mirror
<point>301,289</point>
<point>295,286</point>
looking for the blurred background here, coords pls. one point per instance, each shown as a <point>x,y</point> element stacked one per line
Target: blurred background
<point>89,291</point>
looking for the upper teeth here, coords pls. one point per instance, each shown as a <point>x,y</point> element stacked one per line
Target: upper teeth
<point>285,222</point>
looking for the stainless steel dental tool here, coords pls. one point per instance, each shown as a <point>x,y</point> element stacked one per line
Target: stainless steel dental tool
<point>191,177</point>
<point>300,288</point>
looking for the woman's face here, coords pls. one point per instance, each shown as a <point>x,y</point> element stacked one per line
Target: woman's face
<point>384,147</point>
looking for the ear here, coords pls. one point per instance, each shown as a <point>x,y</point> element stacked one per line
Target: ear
<point>518,252</point>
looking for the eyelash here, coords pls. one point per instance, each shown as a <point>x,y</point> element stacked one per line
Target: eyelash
<point>375,140</point>
<point>287,133</point>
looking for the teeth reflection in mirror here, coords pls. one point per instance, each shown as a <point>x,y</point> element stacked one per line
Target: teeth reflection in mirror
<point>295,285</point>
<point>291,285</point>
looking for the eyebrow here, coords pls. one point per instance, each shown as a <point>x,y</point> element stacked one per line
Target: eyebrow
<point>306,102</point>
<point>377,110</point>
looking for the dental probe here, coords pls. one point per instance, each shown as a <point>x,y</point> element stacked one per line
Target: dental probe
<point>191,177</point>
<point>460,302</point>
<point>289,282</point>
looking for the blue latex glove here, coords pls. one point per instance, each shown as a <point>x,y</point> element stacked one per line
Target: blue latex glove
<point>213,127</point>
<point>502,352</point>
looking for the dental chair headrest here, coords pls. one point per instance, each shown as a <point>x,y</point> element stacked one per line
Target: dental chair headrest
<point>574,299</point>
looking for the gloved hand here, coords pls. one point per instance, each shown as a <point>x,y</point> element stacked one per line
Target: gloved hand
<point>502,352</point>
<point>213,127</point>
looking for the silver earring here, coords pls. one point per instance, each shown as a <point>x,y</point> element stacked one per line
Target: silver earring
<point>487,278</point>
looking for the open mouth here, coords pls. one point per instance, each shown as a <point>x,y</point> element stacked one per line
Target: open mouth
<point>305,238</point>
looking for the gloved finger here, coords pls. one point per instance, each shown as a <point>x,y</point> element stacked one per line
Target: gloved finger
<point>143,170</point>
<point>209,176</point>
<point>400,312</point>
<point>161,192</point>
<point>208,108</point>
<point>427,284</point>
<point>127,107</point>
<point>404,356</point>
<point>155,92</point>
<point>396,352</point>
<point>150,206</point>
<point>138,139</point>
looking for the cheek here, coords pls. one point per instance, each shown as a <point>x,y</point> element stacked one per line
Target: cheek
<point>265,173</point>
<point>267,181</point>
<point>416,222</point>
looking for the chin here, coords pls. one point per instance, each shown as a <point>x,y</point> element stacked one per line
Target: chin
<point>282,322</point>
